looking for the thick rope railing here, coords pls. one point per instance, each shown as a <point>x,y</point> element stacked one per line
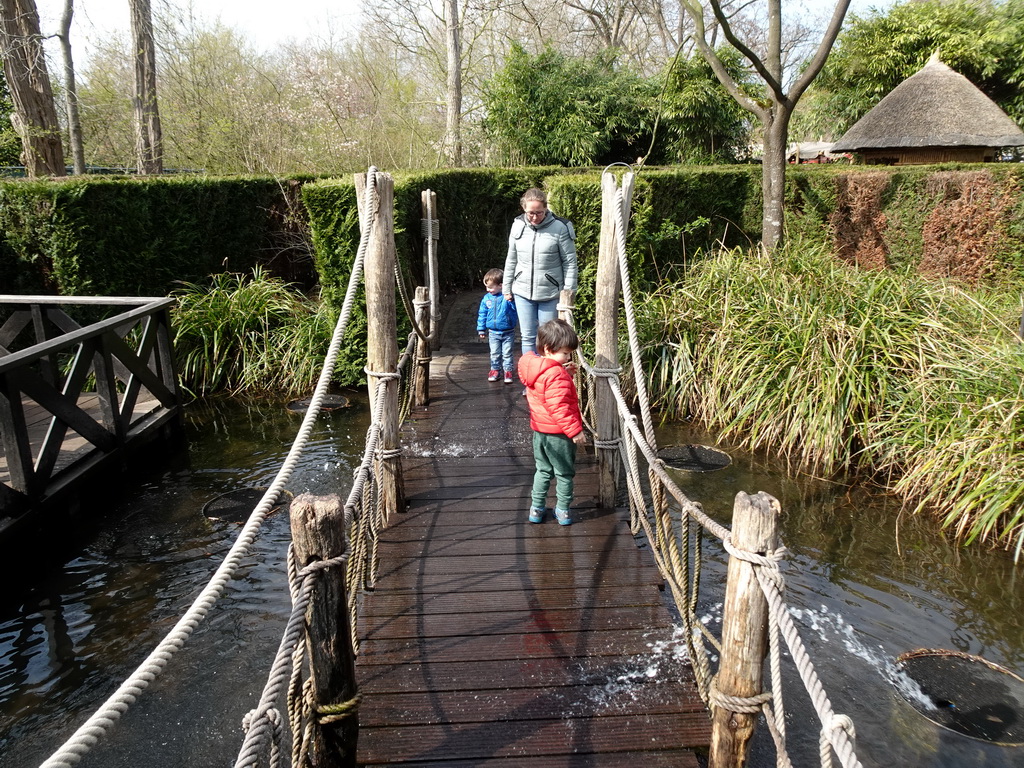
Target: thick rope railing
<point>260,732</point>
<point>96,727</point>
<point>363,510</point>
<point>682,575</point>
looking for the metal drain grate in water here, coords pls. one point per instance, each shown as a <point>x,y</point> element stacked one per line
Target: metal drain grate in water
<point>694,458</point>
<point>236,506</point>
<point>329,403</point>
<point>967,694</point>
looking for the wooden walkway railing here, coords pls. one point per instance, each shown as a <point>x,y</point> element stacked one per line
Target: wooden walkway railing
<point>491,641</point>
<point>74,397</point>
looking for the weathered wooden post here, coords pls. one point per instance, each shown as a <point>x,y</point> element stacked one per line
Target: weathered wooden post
<point>382,335</point>
<point>566,304</point>
<point>606,350</point>
<point>431,234</point>
<point>421,382</point>
<point>744,629</point>
<point>318,534</point>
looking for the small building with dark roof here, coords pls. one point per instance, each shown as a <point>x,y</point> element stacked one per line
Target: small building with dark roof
<point>935,116</point>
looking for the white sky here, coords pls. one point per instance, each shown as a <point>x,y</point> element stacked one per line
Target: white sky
<point>267,23</point>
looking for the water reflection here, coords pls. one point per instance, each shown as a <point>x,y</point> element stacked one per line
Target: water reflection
<point>69,637</point>
<point>867,584</point>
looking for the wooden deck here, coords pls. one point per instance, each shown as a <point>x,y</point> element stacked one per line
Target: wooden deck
<point>74,447</point>
<point>491,641</point>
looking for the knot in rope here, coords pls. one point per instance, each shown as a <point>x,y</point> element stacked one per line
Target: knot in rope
<point>322,565</point>
<point>769,561</point>
<point>565,307</point>
<point>332,713</point>
<point>614,443</point>
<point>843,723</point>
<point>606,373</point>
<point>381,374</point>
<point>388,453</point>
<point>750,705</point>
<point>421,302</point>
<point>272,718</point>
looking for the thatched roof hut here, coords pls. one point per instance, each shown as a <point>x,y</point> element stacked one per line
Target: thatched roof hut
<point>934,116</point>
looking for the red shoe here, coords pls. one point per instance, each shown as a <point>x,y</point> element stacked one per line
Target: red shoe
<point>508,377</point>
<point>492,376</point>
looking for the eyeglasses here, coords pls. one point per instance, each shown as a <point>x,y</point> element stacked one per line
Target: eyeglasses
<point>536,213</point>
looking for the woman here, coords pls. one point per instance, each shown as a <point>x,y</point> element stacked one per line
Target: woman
<point>541,262</point>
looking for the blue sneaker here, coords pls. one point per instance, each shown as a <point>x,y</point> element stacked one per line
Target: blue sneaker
<point>537,515</point>
<point>562,516</point>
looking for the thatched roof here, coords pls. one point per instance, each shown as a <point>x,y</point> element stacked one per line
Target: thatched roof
<point>936,107</point>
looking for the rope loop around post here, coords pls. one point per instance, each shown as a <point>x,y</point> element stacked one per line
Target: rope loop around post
<point>750,705</point>
<point>333,713</point>
<point>381,374</point>
<point>321,565</point>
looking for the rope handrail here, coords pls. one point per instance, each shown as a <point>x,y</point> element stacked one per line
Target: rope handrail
<point>837,731</point>
<point>96,726</point>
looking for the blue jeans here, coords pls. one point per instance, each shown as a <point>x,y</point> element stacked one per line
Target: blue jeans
<point>532,314</point>
<point>501,349</point>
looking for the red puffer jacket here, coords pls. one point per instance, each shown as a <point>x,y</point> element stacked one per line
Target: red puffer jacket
<point>551,394</point>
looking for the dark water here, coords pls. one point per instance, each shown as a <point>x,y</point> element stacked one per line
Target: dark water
<point>68,638</point>
<point>865,583</point>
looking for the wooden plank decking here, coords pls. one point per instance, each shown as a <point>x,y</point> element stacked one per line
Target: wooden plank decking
<point>491,641</point>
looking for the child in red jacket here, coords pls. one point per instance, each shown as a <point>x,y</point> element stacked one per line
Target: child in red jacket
<point>554,416</point>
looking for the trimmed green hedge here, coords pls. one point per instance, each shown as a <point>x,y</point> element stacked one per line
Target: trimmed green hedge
<point>139,236</point>
<point>132,236</point>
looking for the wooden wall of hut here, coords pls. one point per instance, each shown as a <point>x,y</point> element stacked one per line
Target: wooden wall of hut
<point>927,155</point>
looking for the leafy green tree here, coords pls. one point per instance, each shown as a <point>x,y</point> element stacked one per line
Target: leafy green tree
<point>980,39</point>
<point>555,109</point>
<point>704,124</point>
<point>10,142</point>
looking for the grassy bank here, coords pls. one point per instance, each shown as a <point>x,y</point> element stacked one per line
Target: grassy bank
<point>252,334</point>
<point>917,383</point>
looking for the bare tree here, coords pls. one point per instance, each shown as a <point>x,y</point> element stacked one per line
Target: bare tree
<point>149,140</point>
<point>453,95</point>
<point>34,116</point>
<point>71,89</point>
<point>776,110</point>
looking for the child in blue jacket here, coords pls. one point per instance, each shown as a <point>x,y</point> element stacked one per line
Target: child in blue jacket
<point>496,322</point>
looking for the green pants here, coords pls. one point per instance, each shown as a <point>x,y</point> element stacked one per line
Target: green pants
<point>555,457</point>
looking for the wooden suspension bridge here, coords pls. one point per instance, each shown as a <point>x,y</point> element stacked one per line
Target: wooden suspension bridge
<point>492,641</point>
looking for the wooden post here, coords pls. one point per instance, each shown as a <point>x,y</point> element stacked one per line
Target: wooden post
<point>421,383</point>
<point>744,628</point>
<point>567,299</point>
<point>382,335</point>
<point>431,234</point>
<point>318,534</point>
<point>606,350</point>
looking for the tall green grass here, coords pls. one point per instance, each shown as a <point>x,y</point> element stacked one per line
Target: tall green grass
<point>837,368</point>
<point>249,334</point>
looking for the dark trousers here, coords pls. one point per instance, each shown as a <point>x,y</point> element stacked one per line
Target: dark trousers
<point>555,457</point>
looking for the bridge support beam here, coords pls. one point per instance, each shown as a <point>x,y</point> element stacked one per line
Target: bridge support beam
<point>744,632</point>
<point>421,375</point>
<point>606,351</point>
<point>382,334</point>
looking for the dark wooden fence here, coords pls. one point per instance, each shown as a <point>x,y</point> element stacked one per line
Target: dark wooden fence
<point>74,396</point>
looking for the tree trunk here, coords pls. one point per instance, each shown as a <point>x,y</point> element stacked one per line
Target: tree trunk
<point>453,122</point>
<point>71,90</point>
<point>773,178</point>
<point>148,138</point>
<point>34,116</point>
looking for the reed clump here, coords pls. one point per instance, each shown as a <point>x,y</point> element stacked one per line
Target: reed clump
<point>915,382</point>
<point>249,333</point>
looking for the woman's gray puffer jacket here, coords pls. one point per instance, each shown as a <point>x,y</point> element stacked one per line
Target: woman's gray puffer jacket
<point>541,259</point>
